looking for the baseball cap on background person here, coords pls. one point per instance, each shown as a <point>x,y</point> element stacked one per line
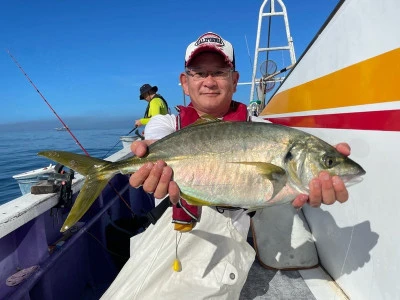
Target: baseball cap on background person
<point>145,88</point>
<point>211,42</point>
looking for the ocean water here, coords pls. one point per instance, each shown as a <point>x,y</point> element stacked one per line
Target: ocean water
<point>18,151</point>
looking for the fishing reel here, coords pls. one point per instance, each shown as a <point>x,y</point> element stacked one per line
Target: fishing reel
<point>63,178</point>
<point>58,182</point>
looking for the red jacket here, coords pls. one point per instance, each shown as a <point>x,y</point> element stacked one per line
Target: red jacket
<point>185,215</point>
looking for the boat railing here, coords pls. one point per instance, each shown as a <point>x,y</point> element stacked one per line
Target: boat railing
<point>21,210</point>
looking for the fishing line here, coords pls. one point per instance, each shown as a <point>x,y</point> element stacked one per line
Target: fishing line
<point>177,265</point>
<point>48,104</point>
<point>119,141</point>
<point>62,122</point>
<point>348,248</point>
<point>248,52</point>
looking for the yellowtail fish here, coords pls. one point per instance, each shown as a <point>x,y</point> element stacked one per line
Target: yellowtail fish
<point>240,164</point>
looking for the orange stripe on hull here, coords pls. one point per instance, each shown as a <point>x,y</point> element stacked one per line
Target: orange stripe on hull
<point>374,80</point>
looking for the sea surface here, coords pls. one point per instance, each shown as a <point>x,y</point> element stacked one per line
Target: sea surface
<point>18,151</point>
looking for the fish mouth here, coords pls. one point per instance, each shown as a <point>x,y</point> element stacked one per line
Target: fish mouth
<point>352,179</point>
<point>354,174</point>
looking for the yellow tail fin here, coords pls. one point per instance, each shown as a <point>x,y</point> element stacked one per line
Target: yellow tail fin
<point>97,171</point>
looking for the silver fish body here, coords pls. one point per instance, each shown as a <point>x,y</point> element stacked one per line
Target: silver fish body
<point>240,164</point>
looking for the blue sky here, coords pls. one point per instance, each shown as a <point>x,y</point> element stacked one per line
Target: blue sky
<point>89,58</point>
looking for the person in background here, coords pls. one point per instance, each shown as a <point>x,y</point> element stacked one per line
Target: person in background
<point>157,105</point>
<point>215,257</point>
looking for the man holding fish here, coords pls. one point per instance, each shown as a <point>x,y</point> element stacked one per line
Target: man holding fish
<point>215,255</point>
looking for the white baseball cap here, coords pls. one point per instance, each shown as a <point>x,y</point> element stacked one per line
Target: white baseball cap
<point>210,42</point>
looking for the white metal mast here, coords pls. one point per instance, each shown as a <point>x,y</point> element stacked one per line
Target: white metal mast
<point>256,82</point>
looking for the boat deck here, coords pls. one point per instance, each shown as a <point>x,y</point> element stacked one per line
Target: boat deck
<point>271,284</point>
<point>310,284</point>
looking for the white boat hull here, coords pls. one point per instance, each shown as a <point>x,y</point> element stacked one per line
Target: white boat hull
<point>345,88</point>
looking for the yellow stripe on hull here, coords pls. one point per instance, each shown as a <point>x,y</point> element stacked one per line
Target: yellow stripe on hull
<point>374,80</point>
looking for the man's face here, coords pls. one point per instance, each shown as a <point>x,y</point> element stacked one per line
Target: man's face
<point>145,95</point>
<point>211,93</point>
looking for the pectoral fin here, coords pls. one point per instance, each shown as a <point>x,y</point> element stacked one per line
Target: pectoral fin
<point>273,173</point>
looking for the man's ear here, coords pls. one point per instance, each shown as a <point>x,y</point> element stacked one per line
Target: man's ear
<point>184,83</point>
<point>235,79</point>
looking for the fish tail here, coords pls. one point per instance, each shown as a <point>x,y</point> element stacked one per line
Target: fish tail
<point>91,189</point>
<point>80,163</point>
<point>97,171</point>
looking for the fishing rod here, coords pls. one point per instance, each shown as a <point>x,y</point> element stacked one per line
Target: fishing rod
<point>48,104</point>
<point>120,140</point>
<point>62,122</point>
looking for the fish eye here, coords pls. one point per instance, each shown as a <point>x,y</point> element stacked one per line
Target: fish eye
<point>329,161</point>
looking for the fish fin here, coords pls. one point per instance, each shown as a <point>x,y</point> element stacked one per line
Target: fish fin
<point>209,118</point>
<point>80,163</point>
<point>274,173</point>
<point>205,119</point>
<point>97,175</point>
<point>89,192</point>
<point>195,201</point>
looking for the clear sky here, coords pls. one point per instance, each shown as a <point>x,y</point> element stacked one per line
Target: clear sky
<point>89,57</point>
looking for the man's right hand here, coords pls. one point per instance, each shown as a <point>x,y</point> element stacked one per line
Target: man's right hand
<point>156,178</point>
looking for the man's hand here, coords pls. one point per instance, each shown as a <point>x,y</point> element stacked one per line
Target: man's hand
<point>156,177</point>
<point>325,189</point>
